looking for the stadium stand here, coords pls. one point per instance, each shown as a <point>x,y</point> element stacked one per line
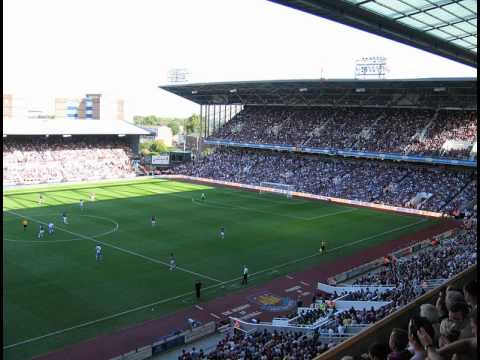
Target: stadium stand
<point>57,159</point>
<point>421,187</point>
<point>445,133</point>
<point>52,151</point>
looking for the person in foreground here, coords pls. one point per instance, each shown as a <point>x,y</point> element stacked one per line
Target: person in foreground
<point>463,349</point>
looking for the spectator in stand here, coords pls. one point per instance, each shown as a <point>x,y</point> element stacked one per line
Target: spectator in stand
<point>430,312</point>
<point>464,349</point>
<point>470,291</point>
<point>416,323</point>
<point>449,332</point>
<point>398,345</point>
<point>378,351</point>
<point>459,313</point>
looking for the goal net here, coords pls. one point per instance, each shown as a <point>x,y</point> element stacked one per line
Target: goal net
<point>271,187</point>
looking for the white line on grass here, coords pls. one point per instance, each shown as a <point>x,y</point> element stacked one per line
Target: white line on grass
<point>331,214</point>
<point>224,205</point>
<point>235,207</point>
<point>115,228</point>
<point>92,322</point>
<point>119,248</point>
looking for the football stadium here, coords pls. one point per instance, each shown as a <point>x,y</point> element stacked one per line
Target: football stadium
<point>329,219</point>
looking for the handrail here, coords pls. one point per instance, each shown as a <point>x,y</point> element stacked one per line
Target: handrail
<point>338,351</point>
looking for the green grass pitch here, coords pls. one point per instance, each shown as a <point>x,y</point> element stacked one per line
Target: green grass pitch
<point>56,293</point>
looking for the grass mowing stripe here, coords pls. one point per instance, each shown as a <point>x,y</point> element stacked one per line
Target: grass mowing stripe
<point>206,288</point>
<point>118,248</point>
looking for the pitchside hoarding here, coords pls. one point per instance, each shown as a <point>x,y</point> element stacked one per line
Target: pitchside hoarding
<point>162,159</point>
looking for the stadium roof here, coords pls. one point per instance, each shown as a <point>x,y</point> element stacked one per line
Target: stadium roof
<point>444,27</point>
<point>69,127</point>
<point>314,91</point>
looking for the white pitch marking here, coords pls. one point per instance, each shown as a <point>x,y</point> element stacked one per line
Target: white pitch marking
<point>120,249</point>
<point>115,228</point>
<point>295,288</point>
<point>331,214</point>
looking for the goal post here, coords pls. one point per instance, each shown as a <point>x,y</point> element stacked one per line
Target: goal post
<point>277,188</point>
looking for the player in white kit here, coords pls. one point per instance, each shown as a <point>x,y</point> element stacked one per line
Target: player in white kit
<point>98,252</point>
<point>41,232</point>
<point>65,219</point>
<point>51,228</point>
<point>173,264</point>
<point>81,204</point>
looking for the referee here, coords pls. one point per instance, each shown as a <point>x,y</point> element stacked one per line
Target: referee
<point>198,287</point>
<point>245,275</point>
<point>25,224</point>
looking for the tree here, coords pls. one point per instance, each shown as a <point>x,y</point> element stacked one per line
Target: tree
<point>158,146</point>
<point>173,124</point>
<point>193,124</point>
<point>144,148</point>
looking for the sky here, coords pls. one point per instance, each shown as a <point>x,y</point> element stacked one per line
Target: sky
<point>125,49</point>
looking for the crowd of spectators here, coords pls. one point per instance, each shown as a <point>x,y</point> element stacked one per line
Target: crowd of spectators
<point>363,180</point>
<point>270,345</point>
<point>409,276</point>
<point>446,330</point>
<point>36,160</point>
<point>405,131</point>
<point>449,125</point>
<point>440,262</point>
